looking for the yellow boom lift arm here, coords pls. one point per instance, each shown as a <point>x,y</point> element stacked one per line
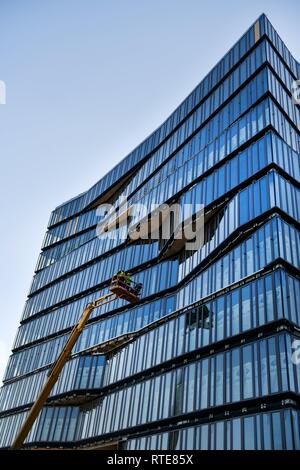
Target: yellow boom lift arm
<point>116,290</point>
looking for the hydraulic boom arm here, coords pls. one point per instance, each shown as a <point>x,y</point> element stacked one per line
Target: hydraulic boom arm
<point>57,368</point>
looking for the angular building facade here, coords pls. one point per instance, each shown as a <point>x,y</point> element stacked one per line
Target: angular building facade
<point>208,358</point>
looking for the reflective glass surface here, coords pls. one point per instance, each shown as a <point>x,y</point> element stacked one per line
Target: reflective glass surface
<point>212,338</point>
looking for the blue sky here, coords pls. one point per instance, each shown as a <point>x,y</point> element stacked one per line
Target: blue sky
<point>86,81</point>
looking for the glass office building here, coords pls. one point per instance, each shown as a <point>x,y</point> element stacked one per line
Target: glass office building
<point>208,358</point>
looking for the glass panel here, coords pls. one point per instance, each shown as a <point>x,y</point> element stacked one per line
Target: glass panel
<point>220,436</point>
<point>273,366</point>
<point>267,431</point>
<point>249,435</point>
<point>246,308</point>
<point>219,379</point>
<point>204,437</point>
<point>247,372</point>
<point>277,435</point>
<point>263,368</point>
<point>235,393</point>
<point>236,434</point>
<point>204,384</point>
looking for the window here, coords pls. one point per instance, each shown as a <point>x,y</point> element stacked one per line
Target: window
<point>225,270</point>
<point>263,368</point>
<point>190,387</point>
<point>221,181</point>
<point>261,301</point>
<point>235,312</point>
<point>235,392</point>
<point>222,150</point>
<point>146,403</point>
<point>136,403</point>
<point>247,372</point>
<point>67,412</point>
<point>170,341</point>
<point>269,299</point>
<point>236,434</point>
<point>189,439</point>
<point>264,191</point>
<point>167,396</point>
<point>212,382</point>
<point>277,437</point>
<point>178,377</point>
<point>244,103</point>
<point>210,157</point>
<point>191,329</point>
<point>228,378</point>
<point>249,434</point>
<point>233,180</point>
<point>181,335</point>
<point>207,319</point>
<point>234,135</point>
<point>85,365</point>
<point>220,436</point>
<point>204,384</point>
<point>288,430</point>
<point>246,307</point>
<point>220,319</point>
<point>204,437</point>
<point>249,256</point>
<point>243,166</point>
<point>219,379</point>
<point>243,206</point>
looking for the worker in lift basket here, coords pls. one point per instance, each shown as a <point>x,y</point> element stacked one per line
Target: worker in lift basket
<point>125,277</point>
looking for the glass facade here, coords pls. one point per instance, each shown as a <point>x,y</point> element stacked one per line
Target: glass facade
<point>206,359</point>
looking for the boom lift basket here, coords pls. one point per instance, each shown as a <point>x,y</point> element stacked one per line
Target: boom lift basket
<point>130,293</point>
